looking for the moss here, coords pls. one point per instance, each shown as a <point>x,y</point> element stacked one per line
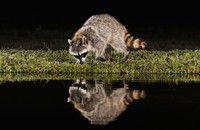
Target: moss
<point>176,78</point>
<point>60,61</point>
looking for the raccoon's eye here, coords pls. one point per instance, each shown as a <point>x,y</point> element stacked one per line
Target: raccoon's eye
<point>78,43</point>
<point>84,54</point>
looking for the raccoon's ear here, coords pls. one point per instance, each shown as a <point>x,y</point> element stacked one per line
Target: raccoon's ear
<point>68,99</point>
<point>84,40</point>
<point>69,41</point>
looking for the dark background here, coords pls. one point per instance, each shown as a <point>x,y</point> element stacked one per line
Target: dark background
<point>165,25</point>
<point>72,14</point>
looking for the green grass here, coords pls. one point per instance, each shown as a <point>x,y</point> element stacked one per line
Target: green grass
<point>147,78</point>
<point>139,62</point>
<point>41,54</point>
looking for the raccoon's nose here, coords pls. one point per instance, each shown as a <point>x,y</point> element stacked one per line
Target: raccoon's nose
<point>81,62</point>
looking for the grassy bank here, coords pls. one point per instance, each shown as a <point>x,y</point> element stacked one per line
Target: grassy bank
<point>170,78</point>
<point>141,61</point>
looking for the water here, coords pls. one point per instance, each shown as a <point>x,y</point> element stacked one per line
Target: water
<point>96,103</point>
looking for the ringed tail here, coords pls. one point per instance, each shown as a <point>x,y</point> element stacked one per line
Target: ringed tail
<point>133,42</point>
<point>134,95</point>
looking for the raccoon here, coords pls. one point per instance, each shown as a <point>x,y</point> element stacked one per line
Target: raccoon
<point>101,33</point>
<point>99,102</point>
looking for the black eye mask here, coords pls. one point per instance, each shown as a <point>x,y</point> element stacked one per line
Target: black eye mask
<point>84,54</point>
<point>81,56</point>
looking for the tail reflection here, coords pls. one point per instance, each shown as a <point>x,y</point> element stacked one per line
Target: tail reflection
<point>99,102</point>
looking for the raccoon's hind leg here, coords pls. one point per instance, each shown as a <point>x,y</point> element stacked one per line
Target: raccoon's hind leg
<point>102,52</point>
<point>98,57</point>
<point>125,56</point>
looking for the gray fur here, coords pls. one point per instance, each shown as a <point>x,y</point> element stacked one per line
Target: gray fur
<point>99,34</point>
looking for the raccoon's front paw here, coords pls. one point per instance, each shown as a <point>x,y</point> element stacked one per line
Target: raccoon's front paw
<point>97,61</point>
<point>110,60</point>
<point>100,59</point>
<point>123,62</point>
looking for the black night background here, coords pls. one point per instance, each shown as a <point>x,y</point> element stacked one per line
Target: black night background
<point>73,13</point>
<point>147,19</point>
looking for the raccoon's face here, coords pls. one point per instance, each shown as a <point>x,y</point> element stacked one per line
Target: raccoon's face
<point>78,49</point>
<point>80,95</point>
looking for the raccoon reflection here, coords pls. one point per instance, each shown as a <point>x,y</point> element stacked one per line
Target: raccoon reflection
<point>99,102</point>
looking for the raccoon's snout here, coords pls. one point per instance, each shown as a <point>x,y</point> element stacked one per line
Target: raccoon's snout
<point>81,57</point>
<point>81,62</point>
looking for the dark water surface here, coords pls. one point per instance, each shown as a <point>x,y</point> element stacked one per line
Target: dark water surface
<point>97,103</point>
